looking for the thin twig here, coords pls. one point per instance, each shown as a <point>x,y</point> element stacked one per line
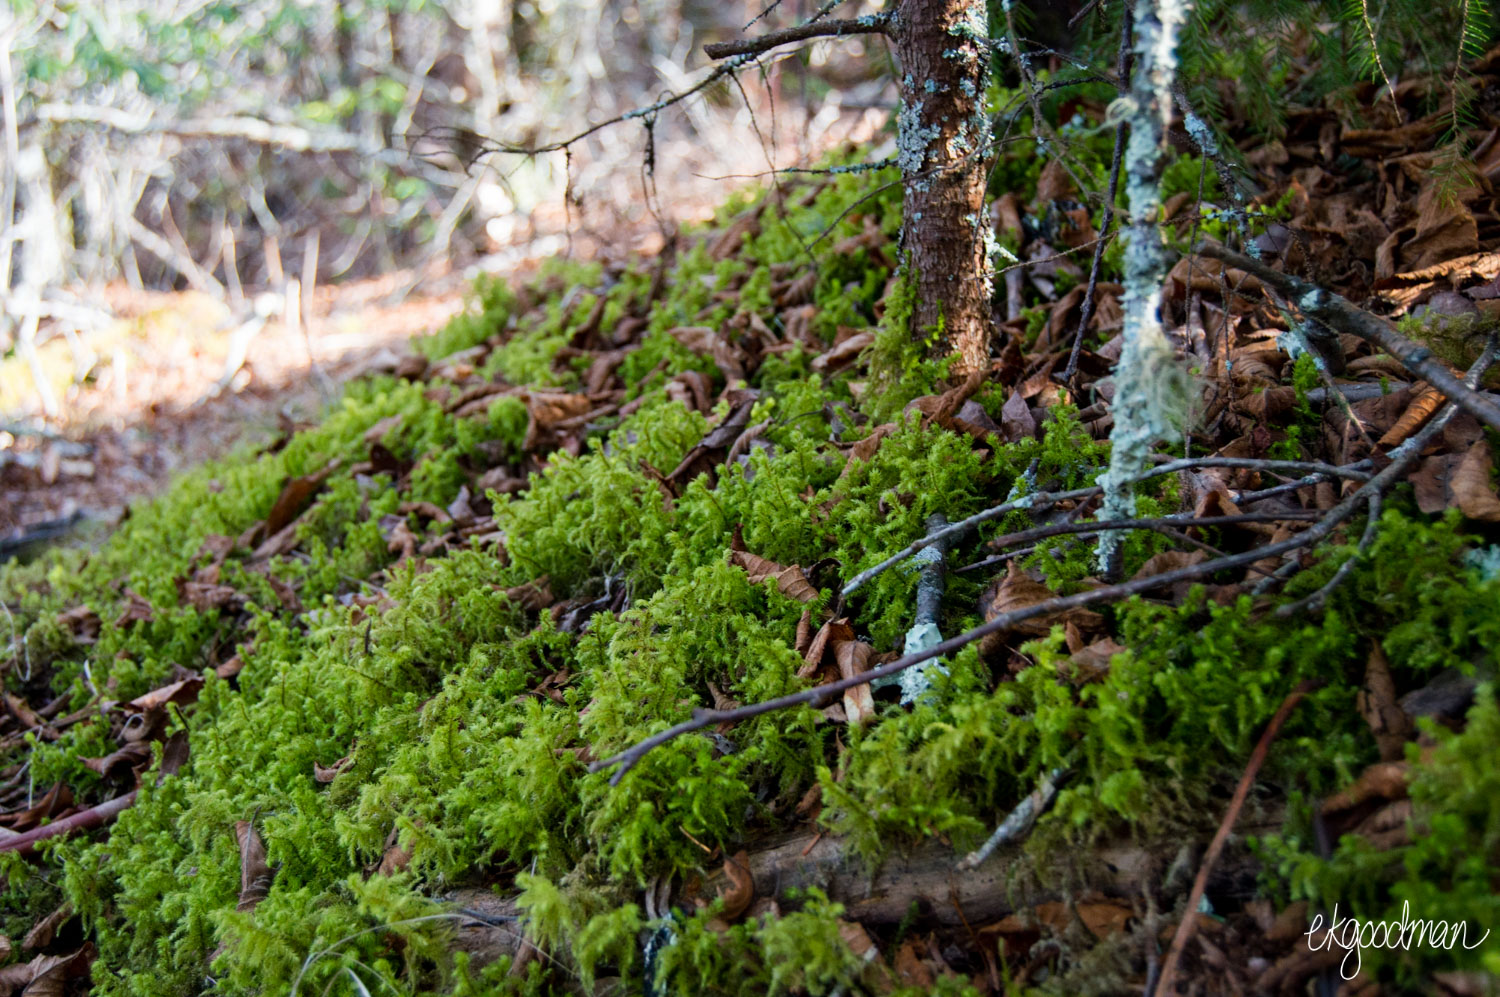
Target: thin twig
<point>1018,821</point>
<point>874,25</point>
<point>1221,837</point>
<point>1157,522</point>
<point>1122,67</point>
<point>1045,499</point>
<point>627,759</point>
<point>1401,460</point>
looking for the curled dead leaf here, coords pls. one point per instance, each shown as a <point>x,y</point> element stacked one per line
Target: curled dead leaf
<point>835,631</point>
<point>789,580</point>
<point>42,933</point>
<point>255,874</point>
<point>1472,491</point>
<point>1425,401</point>
<point>176,694</point>
<point>533,596</point>
<point>1376,701</point>
<point>133,757</point>
<point>853,657</point>
<point>327,773</point>
<point>1015,591</point>
<point>295,495</point>
<point>1381,781</point>
<point>741,889</point>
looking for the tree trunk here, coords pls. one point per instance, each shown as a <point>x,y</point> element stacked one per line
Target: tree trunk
<point>942,141</point>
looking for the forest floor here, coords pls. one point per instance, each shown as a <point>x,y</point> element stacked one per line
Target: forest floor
<point>359,709</point>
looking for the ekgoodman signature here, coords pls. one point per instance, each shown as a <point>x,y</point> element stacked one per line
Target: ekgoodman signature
<point>1355,935</point>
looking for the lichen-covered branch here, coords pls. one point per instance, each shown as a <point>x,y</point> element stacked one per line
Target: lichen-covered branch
<point>1341,316</point>
<point>1149,400</point>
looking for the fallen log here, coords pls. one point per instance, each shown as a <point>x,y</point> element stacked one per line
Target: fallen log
<point>1008,882</point>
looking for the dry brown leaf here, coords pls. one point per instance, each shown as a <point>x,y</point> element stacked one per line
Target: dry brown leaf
<point>1381,781</point>
<point>866,448</point>
<point>1445,229</point>
<point>1016,591</point>
<point>534,595</point>
<point>1016,420</point>
<point>710,450</point>
<point>1425,401</point>
<point>804,638</point>
<point>789,580</point>
<point>82,622</point>
<point>844,353</point>
<point>255,874</point>
<point>42,933</point>
<point>853,658</point>
<point>395,858</point>
<point>326,774</point>
<point>295,495</point>
<point>22,711</point>
<point>49,974</point>
<point>1104,918</point>
<point>178,693</point>
<point>1472,491</point>
<point>1377,704</point>
<point>911,969</point>
<point>137,610</point>
<point>836,631</point>
<point>741,889</point>
<point>378,432</point>
<point>133,757</point>
<point>56,800</point>
<point>1168,560</point>
<point>1091,663</point>
<point>854,935</point>
<point>1431,482</point>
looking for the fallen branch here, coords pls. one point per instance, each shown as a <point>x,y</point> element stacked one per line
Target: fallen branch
<point>82,821</point>
<point>1042,500</point>
<point>1216,847</point>
<point>630,757</point>
<point>875,25</point>
<point>1341,316</point>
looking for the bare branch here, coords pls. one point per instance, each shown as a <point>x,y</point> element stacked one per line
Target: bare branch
<point>627,759</point>
<point>82,821</point>
<point>873,25</point>
<point>1045,499</point>
<point>1122,68</point>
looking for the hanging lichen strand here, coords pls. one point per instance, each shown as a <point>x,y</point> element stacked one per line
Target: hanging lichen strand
<point>1150,397</point>
<point>943,145</point>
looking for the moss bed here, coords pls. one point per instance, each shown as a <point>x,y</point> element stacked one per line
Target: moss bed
<point>461,599</point>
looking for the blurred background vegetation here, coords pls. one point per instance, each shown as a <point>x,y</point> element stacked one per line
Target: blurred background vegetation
<point>235,147</point>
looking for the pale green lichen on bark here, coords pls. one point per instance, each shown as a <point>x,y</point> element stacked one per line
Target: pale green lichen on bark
<point>1148,390</point>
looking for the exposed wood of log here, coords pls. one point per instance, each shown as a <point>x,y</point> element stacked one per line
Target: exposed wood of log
<point>1005,883</point>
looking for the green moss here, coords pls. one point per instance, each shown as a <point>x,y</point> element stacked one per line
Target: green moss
<point>457,760</point>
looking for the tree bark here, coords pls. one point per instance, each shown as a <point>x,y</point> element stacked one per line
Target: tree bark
<point>943,145</point>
